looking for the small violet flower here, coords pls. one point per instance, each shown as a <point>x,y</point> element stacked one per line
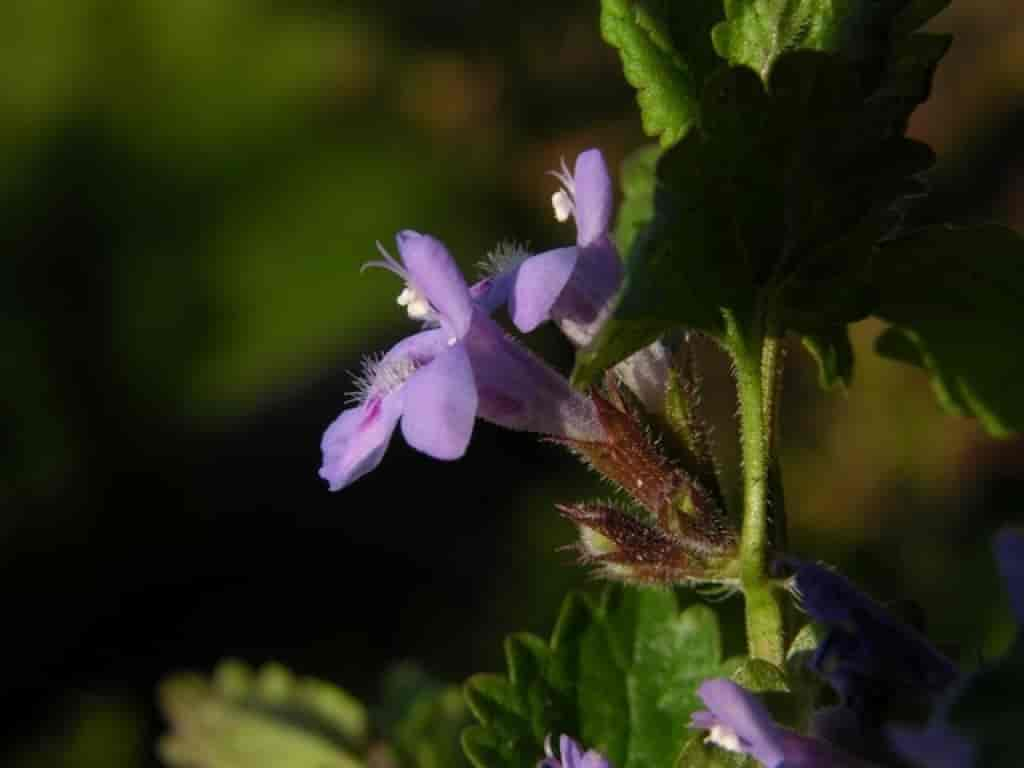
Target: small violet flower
<point>941,744</point>
<point>438,381</point>
<point>738,722</point>
<point>573,285</point>
<point>571,756</point>
<point>867,651</point>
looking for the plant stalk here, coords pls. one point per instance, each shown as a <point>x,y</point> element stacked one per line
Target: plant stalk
<point>755,356</point>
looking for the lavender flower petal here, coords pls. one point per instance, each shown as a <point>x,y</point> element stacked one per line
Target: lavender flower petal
<point>355,442</point>
<point>1009,549</point>
<point>434,272</point>
<point>571,755</point>
<point>593,197</point>
<point>539,282</point>
<point>440,405</point>
<point>586,299</point>
<point>646,373</point>
<point>866,646</point>
<point>937,746</point>
<point>519,391</point>
<point>739,721</point>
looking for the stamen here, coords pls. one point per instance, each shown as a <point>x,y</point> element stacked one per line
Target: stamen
<point>724,737</point>
<point>564,200</point>
<point>562,204</point>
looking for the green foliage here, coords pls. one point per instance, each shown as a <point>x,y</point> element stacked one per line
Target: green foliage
<point>423,719</point>
<point>619,674</point>
<point>833,352</point>
<point>266,719</point>
<point>952,296</point>
<point>637,206</point>
<point>776,205</point>
<point>666,53</point>
<point>756,32</point>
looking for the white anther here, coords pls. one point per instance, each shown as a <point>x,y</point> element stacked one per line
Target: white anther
<point>724,737</point>
<point>415,304</point>
<point>451,341</point>
<point>562,204</point>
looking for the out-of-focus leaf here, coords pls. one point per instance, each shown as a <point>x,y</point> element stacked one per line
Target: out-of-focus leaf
<point>833,352</point>
<point>637,206</point>
<point>423,719</point>
<point>619,675</point>
<point>263,719</point>
<point>953,297</point>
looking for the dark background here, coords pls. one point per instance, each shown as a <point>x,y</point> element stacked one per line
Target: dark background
<point>187,191</point>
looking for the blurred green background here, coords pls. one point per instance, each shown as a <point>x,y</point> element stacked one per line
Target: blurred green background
<point>187,190</point>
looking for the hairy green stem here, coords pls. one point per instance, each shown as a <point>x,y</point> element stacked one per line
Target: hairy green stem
<point>755,352</point>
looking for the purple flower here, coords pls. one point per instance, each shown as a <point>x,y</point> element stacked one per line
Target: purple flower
<point>937,746</point>
<point>867,651</point>
<point>571,756</point>
<point>738,722</point>
<point>438,381</point>
<point>942,744</point>
<point>572,285</point>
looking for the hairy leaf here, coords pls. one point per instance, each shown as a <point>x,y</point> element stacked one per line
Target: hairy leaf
<point>619,675</point>
<point>954,298</point>
<point>779,200</point>
<point>666,53</point>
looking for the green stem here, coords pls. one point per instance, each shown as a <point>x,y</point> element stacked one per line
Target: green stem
<point>754,354</point>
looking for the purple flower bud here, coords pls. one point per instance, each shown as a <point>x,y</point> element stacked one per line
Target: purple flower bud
<point>573,285</point>
<point>738,722</point>
<point>571,755</point>
<point>866,649</point>
<point>437,382</point>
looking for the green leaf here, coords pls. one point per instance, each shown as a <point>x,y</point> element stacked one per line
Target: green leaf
<point>756,32</point>
<point>619,674</point>
<point>665,51</point>
<point>637,207</point>
<point>266,719</point>
<point>833,352</point>
<point>953,297</point>
<point>780,199</point>
<point>422,719</point>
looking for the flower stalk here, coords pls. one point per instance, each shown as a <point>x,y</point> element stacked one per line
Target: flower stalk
<point>754,352</point>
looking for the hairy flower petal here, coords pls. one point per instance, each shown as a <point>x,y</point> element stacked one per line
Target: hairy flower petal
<point>440,405</point>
